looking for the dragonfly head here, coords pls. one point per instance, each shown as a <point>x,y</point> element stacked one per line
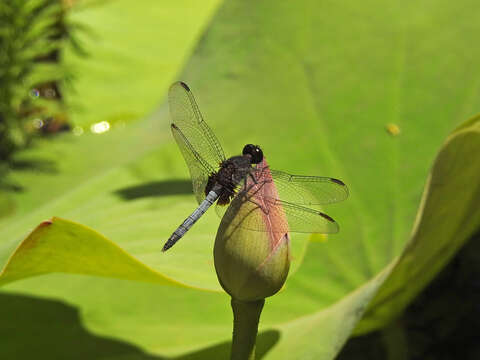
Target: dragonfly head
<point>256,154</point>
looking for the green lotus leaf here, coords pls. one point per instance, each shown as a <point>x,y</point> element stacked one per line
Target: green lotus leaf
<point>59,245</point>
<point>364,92</point>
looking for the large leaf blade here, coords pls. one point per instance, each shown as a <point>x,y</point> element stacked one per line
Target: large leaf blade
<point>448,216</point>
<point>59,245</point>
<point>339,92</point>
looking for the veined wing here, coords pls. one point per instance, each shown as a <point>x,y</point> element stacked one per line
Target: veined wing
<point>198,167</point>
<point>308,190</point>
<point>268,214</point>
<point>305,220</point>
<point>200,148</point>
<point>187,117</point>
<point>261,207</point>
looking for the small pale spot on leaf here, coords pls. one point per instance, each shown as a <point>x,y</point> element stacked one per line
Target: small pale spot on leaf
<point>393,129</point>
<point>322,238</point>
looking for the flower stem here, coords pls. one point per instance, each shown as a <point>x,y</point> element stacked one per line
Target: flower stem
<point>395,341</point>
<point>246,315</point>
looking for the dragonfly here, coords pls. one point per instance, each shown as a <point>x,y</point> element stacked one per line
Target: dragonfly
<point>216,178</point>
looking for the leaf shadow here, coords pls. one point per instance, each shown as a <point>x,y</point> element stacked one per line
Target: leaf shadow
<point>36,328</point>
<point>8,186</point>
<point>156,188</point>
<point>265,341</point>
<point>24,165</point>
<point>34,165</point>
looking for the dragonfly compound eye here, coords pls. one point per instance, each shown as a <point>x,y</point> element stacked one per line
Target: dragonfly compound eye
<point>255,152</point>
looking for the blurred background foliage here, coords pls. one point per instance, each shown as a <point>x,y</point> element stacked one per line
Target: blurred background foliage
<point>33,37</point>
<point>367,92</point>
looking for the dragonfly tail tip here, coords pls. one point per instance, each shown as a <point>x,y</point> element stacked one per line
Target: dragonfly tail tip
<point>170,242</point>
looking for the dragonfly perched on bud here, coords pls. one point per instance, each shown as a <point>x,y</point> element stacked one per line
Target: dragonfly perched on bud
<point>218,179</point>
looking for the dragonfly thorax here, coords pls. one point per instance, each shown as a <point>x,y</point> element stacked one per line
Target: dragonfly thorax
<point>230,174</point>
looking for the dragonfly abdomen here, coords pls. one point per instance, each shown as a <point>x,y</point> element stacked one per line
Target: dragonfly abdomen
<point>211,197</point>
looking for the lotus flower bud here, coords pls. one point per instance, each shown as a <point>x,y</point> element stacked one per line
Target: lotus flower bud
<point>252,247</point>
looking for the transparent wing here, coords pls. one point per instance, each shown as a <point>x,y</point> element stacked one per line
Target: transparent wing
<point>302,219</point>
<point>270,215</point>
<point>308,190</point>
<point>260,208</point>
<point>299,189</point>
<point>187,117</point>
<point>198,167</point>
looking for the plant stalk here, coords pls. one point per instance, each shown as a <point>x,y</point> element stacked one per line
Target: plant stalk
<point>395,341</point>
<point>246,315</point>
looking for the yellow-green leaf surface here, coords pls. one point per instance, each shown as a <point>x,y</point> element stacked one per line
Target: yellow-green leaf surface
<point>58,245</point>
<point>434,241</point>
<point>449,214</point>
<point>363,91</point>
<point>133,53</point>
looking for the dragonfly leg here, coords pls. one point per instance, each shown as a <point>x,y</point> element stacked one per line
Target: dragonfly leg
<point>262,207</point>
<point>252,177</point>
<point>251,197</point>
